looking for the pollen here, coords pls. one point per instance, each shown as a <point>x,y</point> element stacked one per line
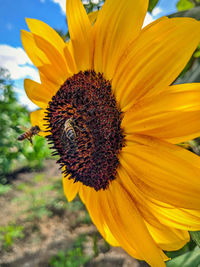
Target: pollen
<point>85,126</point>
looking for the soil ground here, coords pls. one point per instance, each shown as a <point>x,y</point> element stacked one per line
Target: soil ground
<point>50,225</point>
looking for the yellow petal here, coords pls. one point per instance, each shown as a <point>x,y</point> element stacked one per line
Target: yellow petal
<point>92,200</point>
<point>139,198</point>
<point>70,188</point>
<point>35,54</point>
<point>56,60</point>
<point>172,115</point>
<point>170,216</point>
<point>39,59</point>
<point>37,118</point>
<point>68,51</point>
<point>46,32</point>
<point>37,93</point>
<point>163,171</point>
<point>106,216</point>
<point>134,229</point>
<point>155,59</point>
<point>156,213</point>
<point>51,36</point>
<point>80,30</point>
<point>117,25</point>
<point>116,210</point>
<point>52,87</point>
<point>167,238</point>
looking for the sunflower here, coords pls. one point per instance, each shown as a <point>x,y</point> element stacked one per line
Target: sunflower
<point>111,113</point>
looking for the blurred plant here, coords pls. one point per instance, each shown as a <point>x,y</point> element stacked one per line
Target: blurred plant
<point>75,205</point>
<point>92,5</point>
<point>47,200</point>
<point>36,201</point>
<point>188,256</point>
<point>197,52</point>
<point>187,4</point>
<point>10,233</point>
<point>95,245</point>
<point>4,189</point>
<point>12,115</point>
<point>72,258</point>
<point>152,5</point>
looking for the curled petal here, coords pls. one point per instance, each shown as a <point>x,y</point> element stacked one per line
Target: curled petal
<point>163,171</point>
<point>80,30</point>
<point>117,25</point>
<point>172,115</point>
<point>155,59</point>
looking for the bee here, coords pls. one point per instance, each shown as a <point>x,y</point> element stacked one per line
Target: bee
<point>29,134</point>
<point>69,129</point>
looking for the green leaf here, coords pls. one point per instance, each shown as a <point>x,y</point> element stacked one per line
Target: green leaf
<point>196,237</point>
<point>4,189</point>
<point>189,259</point>
<point>152,4</point>
<point>197,54</point>
<point>184,5</point>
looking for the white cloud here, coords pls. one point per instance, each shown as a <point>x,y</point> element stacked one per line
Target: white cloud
<point>24,100</point>
<point>62,4</point>
<point>93,1</point>
<point>17,62</point>
<point>156,11</point>
<point>148,19</point>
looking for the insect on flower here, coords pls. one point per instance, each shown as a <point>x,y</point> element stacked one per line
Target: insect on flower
<point>69,130</point>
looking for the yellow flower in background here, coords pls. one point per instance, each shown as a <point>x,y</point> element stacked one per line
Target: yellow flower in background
<point>113,117</point>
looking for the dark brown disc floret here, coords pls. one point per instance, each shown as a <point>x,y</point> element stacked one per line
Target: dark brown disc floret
<point>84,122</point>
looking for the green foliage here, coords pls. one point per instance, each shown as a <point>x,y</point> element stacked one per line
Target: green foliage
<point>10,233</point>
<point>37,201</point>
<point>86,219</point>
<point>187,67</point>
<point>72,258</point>
<point>15,154</point>
<point>197,52</point>
<point>188,247</point>
<point>90,6</point>
<point>187,4</point>
<point>4,189</point>
<point>196,237</point>
<point>36,154</point>
<point>152,5</point>
<point>47,200</point>
<point>184,5</point>
<point>95,245</point>
<point>189,259</point>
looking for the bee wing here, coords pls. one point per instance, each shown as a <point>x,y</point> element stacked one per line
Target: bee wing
<point>23,128</point>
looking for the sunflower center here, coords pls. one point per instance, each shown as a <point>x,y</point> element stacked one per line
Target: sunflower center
<point>84,122</point>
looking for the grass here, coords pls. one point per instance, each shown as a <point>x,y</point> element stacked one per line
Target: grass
<point>37,198</point>
<point>4,189</point>
<point>9,234</point>
<point>74,257</point>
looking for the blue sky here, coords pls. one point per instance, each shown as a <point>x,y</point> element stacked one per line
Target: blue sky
<point>12,20</point>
